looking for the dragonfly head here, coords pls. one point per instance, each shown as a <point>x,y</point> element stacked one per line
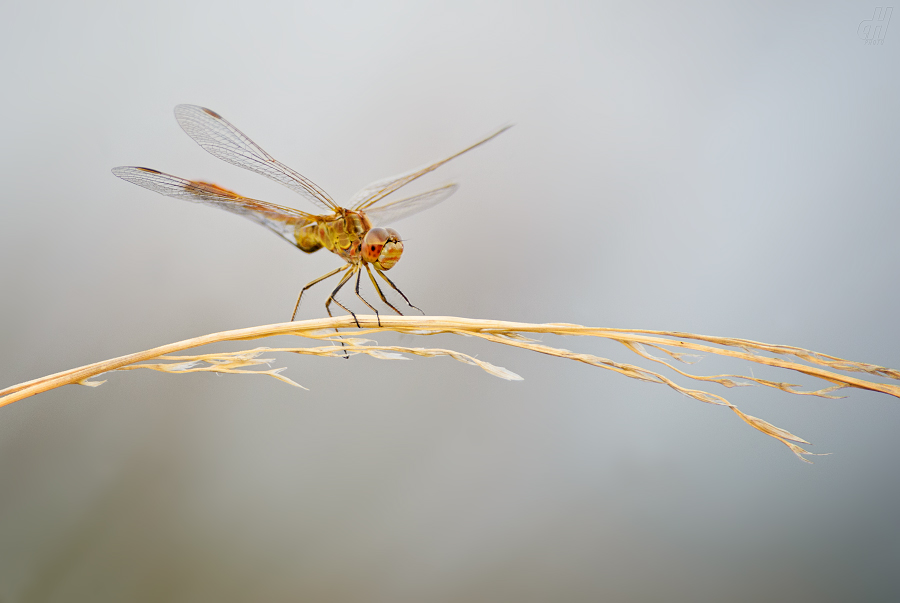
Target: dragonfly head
<point>382,247</point>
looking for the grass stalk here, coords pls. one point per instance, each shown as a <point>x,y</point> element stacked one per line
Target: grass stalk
<point>678,346</point>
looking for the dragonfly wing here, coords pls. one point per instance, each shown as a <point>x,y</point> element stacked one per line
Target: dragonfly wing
<point>376,191</point>
<point>397,210</point>
<point>376,187</point>
<point>218,137</point>
<point>281,220</point>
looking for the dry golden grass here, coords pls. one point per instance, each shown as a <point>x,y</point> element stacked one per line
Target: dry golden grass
<point>814,364</point>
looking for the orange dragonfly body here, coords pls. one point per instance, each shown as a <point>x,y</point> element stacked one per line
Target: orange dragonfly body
<point>358,235</point>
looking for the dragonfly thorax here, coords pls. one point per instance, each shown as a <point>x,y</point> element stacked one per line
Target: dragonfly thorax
<point>351,236</point>
<point>382,248</point>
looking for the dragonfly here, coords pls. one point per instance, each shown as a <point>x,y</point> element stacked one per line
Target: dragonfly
<point>358,234</point>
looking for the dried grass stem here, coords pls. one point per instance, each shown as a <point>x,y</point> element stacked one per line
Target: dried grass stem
<point>821,366</point>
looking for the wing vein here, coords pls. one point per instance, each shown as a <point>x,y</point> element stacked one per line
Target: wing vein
<point>283,221</point>
<point>221,139</point>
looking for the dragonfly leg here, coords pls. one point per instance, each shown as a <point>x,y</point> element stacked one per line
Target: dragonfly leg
<point>318,280</point>
<point>359,274</point>
<point>331,297</point>
<point>380,293</point>
<point>394,287</point>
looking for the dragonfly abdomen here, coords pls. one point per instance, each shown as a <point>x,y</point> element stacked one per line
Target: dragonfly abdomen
<point>307,237</point>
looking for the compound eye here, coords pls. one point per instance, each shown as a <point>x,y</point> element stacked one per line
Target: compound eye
<point>373,242</point>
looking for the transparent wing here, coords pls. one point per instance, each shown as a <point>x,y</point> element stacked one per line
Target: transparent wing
<point>397,210</point>
<point>218,137</point>
<point>281,220</point>
<point>376,191</point>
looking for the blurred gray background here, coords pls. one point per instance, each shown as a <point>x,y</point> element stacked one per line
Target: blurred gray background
<point>725,170</point>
